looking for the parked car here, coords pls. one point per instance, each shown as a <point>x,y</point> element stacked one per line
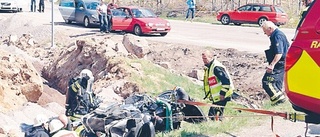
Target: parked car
<point>80,11</point>
<point>254,14</point>
<point>10,5</point>
<point>139,21</point>
<point>302,70</point>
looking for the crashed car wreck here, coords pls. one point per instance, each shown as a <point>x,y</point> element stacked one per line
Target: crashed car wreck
<point>141,116</point>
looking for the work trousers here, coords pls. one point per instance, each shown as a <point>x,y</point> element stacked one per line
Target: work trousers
<point>272,82</point>
<point>214,111</point>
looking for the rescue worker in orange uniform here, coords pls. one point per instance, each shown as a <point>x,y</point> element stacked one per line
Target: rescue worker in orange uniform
<point>218,86</point>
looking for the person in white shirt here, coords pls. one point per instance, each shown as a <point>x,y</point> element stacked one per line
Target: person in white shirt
<point>102,12</point>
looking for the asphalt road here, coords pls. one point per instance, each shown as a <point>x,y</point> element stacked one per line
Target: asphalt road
<point>251,39</point>
<point>243,38</point>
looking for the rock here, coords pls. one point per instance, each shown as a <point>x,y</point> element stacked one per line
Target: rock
<point>165,65</point>
<point>136,45</point>
<point>197,74</point>
<point>19,80</point>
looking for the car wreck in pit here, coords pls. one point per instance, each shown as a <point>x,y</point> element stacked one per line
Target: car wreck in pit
<point>141,116</point>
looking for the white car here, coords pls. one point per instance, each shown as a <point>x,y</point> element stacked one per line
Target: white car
<point>10,5</point>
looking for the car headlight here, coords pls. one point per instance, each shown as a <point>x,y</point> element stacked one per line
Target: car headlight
<point>149,24</point>
<point>168,24</point>
<point>93,16</point>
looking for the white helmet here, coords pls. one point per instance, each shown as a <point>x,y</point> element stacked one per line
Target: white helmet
<point>40,119</point>
<point>86,72</point>
<point>55,125</point>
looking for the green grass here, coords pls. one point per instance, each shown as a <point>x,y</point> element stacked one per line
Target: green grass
<point>155,79</point>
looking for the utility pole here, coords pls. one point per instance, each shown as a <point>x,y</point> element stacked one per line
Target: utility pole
<point>52,26</point>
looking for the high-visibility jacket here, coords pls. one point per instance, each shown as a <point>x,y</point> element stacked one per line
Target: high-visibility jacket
<point>304,12</point>
<point>212,84</point>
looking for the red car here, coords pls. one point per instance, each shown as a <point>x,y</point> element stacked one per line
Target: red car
<point>302,70</point>
<point>139,21</point>
<point>254,14</point>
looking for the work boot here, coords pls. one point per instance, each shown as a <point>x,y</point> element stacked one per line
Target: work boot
<point>278,100</point>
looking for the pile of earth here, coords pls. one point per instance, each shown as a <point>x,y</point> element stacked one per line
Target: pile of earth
<point>35,77</point>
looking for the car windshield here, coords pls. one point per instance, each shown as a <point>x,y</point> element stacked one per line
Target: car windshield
<point>143,13</point>
<point>92,5</point>
<point>279,9</point>
<point>245,8</point>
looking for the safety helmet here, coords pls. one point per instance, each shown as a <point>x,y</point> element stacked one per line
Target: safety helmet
<point>39,120</point>
<point>55,125</point>
<point>86,73</point>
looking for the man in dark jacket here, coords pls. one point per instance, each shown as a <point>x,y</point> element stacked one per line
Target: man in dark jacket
<point>272,81</point>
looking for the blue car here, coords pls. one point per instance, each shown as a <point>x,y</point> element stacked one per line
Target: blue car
<point>80,11</point>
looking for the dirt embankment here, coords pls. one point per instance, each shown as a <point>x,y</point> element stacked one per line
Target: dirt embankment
<point>246,68</point>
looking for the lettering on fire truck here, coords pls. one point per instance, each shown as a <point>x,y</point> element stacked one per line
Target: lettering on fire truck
<point>315,44</point>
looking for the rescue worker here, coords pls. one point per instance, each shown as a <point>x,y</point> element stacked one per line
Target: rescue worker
<point>307,3</point>
<point>39,128</point>
<point>80,98</point>
<point>272,80</point>
<point>56,129</point>
<point>218,86</point>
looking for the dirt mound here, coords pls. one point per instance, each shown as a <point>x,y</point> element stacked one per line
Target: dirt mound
<point>20,82</point>
<point>246,69</point>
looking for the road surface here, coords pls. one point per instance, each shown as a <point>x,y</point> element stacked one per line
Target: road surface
<point>251,39</point>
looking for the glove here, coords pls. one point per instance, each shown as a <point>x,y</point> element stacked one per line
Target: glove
<point>69,112</point>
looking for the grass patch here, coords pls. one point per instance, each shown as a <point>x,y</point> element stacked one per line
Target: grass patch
<point>155,79</point>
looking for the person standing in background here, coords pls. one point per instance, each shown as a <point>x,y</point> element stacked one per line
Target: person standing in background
<point>111,6</point>
<point>41,6</point>
<point>191,8</point>
<point>33,5</point>
<point>102,12</point>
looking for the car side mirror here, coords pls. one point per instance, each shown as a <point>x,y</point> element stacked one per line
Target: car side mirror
<point>81,8</point>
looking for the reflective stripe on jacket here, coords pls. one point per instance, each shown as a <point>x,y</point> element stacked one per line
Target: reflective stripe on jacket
<point>212,84</point>
<point>76,86</point>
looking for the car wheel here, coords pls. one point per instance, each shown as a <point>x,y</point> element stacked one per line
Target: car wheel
<point>261,20</point>
<point>163,34</point>
<point>237,24</point>
<point>137,30</point>
<point>68,21</point>
<point>225,19</point>
<point>86,22</point>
